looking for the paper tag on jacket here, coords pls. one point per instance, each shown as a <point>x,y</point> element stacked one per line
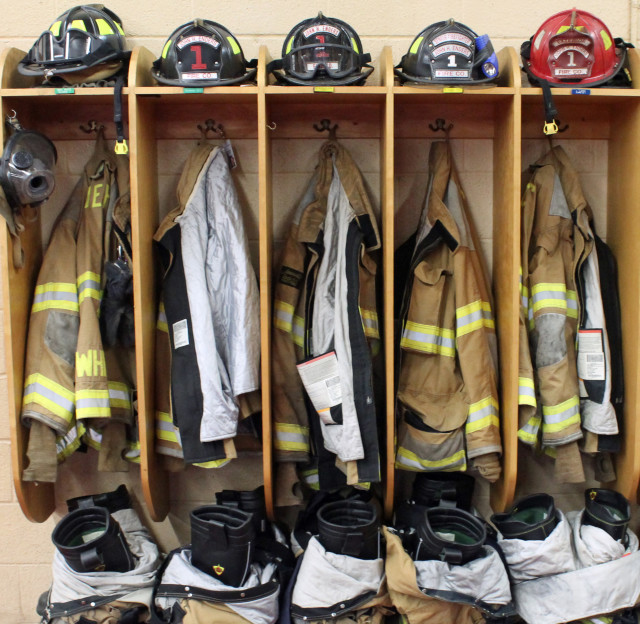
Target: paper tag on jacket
<point>180,334</point>
<point>591,365</point>
<point>321,380</point>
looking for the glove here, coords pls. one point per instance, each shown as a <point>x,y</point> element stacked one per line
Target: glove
<point>488,466</point>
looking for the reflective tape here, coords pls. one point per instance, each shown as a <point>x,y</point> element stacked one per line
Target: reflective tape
<point>165,429</point>
<point>291,437</point>
<point>572,304</point>
<point>370,323</point>
<point>89,286</point>
<point>482,414</point>
<point>52,396</point>
<point>55,296</point>
<point>67,444</point>
<point>428,338</point>
<point>161,322</point>
<point>529,432</point>
<point>407,460</point>
<point>287,321</point>
<point>554,295</point>
<point>119,395</point>
<point>311,478</point>
<point>559,417</point>
<point>93,404</point>
<point>93,438</point>
<point>473,316</point>
<point>217,463</point>
<point>132,453</point>
<point>526,392</point>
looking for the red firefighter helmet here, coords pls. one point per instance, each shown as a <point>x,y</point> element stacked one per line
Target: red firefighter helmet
<point>575,47</point>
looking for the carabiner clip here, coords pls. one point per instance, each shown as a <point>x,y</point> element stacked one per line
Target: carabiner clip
<point>121,147</point>
<point>550,127</point>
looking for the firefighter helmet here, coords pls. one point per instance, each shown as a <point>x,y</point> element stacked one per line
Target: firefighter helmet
<point>202,53</point>
<point>449,53</point>
<point>322,51</point>
<point>86,43</point>
<point>575,47</point>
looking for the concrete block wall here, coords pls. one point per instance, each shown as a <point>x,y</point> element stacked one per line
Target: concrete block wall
<point>25,548</point>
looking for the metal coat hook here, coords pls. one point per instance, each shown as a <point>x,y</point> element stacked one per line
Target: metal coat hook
<point>210,126</point>
<point>92,126</point>
<point>440,125</point>
<point>325,124</point>
<point>562,128</point>
<point>272,125</point>
<point>12,120</point>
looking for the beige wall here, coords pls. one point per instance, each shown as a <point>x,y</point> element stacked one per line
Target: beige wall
<point>25,548</point>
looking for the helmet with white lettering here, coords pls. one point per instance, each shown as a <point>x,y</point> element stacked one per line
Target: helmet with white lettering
<point>449,53</point>
<point>575,48</point>
<point>86,43</point>
<point>202,53</point>
<point>322,51</point>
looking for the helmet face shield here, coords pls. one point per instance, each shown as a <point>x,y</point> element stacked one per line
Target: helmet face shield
<point>312,60</point>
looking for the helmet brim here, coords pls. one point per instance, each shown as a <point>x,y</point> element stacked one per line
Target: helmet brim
<point>439,81</point>
<point>176,82</point>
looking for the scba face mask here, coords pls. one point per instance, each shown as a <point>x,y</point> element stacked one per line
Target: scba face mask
<point>26,170</point>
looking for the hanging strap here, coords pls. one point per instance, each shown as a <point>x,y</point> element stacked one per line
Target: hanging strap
<point>121,146</point>
<point>550,111</point>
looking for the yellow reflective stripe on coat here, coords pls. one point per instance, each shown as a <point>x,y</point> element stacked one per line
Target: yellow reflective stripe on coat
<point>161,322</point>
<point>561,416</point>
<point>93,438</point>
<point>93,404</point>
<point>407,460</point>
<point>473,316</point>
<point>572,304</point>
<point>526,392</point>
<point>165,429</point>
<point>52,396</point>
<point>310,478</point>
<point>370,323</point>
<point>529,432</point>
<point>554,295</point>
<point>291,437</point>
<point>482,414</point>
<point>216,463</point>
<point>119,395</point>
<point>132,453</point>
<point>89,286</point>
<point>67,444</point>
<point>428,338</point>
<point>287,321</point>
<point>55,296</point>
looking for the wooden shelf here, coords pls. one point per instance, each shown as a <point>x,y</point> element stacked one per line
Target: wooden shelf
<point>387,116</point>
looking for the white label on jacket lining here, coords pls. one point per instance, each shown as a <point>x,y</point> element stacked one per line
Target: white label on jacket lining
<point>591,365</point>
<point>321,380</point>
<point>180,334</point>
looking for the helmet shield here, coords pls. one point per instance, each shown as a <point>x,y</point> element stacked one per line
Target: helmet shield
<point>26,171</point>
<point>571,54</point>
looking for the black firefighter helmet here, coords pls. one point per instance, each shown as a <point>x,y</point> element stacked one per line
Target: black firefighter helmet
<point>322,51</point>
<point>86,43</point>
<point>449,53</point>
<point>202,53</point>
